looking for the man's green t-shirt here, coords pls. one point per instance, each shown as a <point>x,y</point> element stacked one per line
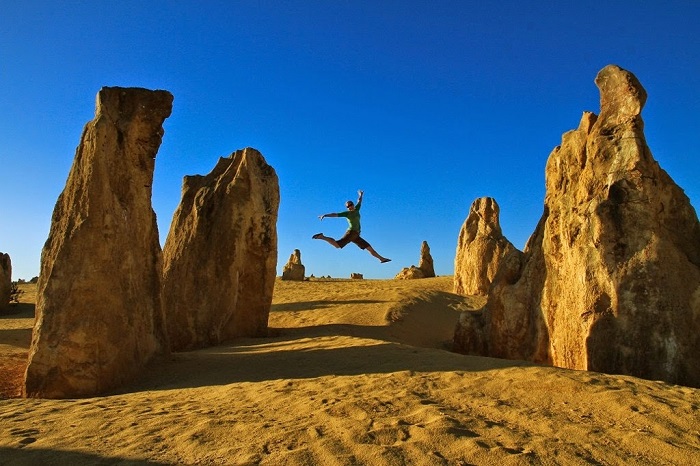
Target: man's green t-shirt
<point>353,217</point>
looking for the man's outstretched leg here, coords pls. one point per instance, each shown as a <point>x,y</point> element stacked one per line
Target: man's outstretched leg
<point>327,239</point>
<point>371,250</point>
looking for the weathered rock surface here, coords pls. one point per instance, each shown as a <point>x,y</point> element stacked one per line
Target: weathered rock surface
<point>610,280</point>
<point>5,280</point>
<point>425,268</point>
<point>294,269</point>
<point>99,313</point>
<point>481,248</point>
<point>220,256</point>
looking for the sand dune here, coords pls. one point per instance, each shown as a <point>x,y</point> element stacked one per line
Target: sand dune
<point>354,372</point>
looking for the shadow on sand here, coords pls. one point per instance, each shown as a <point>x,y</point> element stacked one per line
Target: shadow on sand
<point>18,311</point>
<point>332,350</point>
<point>313,305</point>
<point>19,456</point>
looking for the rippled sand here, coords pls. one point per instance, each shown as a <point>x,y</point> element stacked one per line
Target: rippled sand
<point>354,372</point>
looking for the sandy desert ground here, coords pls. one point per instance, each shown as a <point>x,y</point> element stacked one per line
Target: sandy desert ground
<point>355,372</point>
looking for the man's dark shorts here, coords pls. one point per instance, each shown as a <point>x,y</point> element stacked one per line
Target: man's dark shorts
<point>352,236</point>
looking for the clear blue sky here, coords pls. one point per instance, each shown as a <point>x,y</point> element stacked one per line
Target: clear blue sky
<point>426,105</point>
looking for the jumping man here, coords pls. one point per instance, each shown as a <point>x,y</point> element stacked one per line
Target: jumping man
<point>352,235</point>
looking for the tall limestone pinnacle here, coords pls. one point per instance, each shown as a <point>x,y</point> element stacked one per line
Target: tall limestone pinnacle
<point>99,314</point>
<point>220,256</point>
<point>610,279</point>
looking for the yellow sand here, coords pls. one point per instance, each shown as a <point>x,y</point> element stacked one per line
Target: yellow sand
<point>355,372</point>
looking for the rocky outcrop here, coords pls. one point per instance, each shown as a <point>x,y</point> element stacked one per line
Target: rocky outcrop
<point>357,276</point>
<point>98,313</point>
<point>610,279</point>
<point>481,247</point>
<point>425,268</point>
<point>294,269</point>
<point>220,256</point>
<point>410,273</point>
<point>5,281</point>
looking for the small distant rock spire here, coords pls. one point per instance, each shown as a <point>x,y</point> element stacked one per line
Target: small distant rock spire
<point>425,267</point>
<point>426,261</point>
<point>294,270</point>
